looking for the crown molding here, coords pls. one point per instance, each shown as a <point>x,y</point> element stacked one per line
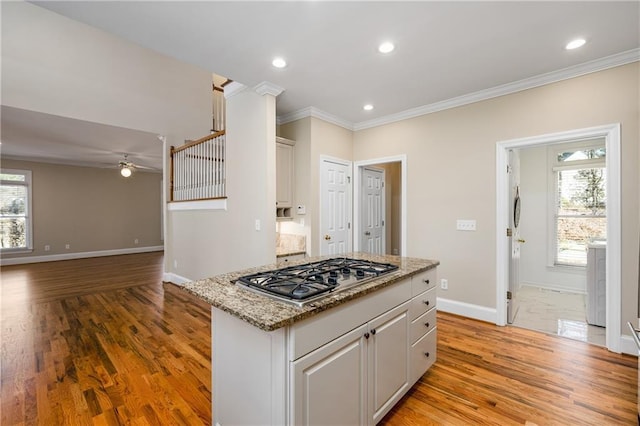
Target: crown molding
<point>618,59</point>
<point>266,88</point>
<point>233,88</point>
<point>601,64</point>
<point>316,113</point>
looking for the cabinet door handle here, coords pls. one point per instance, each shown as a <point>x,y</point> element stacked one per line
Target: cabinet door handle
<point>366,335</point>
<point>426,302</point>
<point>426,354</point>
<point>373,331</point>
<point>426,324</point>
<point>426,281</point>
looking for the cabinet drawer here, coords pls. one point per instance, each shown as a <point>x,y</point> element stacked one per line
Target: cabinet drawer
<point>422,325</point>
<point>284,261</point>
<point>309,334</point>
<point>423,281</point>
<point>423,355</point>
<point>422,303</point>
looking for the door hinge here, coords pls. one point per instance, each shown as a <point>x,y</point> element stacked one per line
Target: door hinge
<point>383,223</point>
<point>348,179</point>
<point>348,225</point>
<point>509,232</point>
<point>383,184</point>
<point>508,168</point>
<point>509,295</point>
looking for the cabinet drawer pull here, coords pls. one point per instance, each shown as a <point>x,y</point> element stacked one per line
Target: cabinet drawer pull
<point>426,354</point>
<point>425,281</point>
<point>426,302</point>
<point>373,331</point>
<point>366,335</point>
<point>426,324</point>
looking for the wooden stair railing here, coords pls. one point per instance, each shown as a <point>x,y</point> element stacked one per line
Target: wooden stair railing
<point>198,169</point>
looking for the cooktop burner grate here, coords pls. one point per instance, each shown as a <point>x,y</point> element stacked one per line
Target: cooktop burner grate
<point>309,281</point>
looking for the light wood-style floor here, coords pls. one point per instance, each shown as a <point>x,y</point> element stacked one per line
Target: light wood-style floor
<point>103,341</point>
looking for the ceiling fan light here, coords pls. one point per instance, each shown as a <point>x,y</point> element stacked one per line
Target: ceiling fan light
<point>125,171</point>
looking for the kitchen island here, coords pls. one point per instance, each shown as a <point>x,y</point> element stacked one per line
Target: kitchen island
<point>346,358</point>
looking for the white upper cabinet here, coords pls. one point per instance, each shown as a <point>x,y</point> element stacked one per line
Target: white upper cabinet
<point>285,158</point>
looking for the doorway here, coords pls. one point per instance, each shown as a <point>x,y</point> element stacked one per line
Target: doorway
<point>373,207</point>
<point>395,210</point>
<point>335,205</point>
<point>611,136</point>
<point>563,191</point>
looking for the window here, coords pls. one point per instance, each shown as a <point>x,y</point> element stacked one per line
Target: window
<point>579,211</point>
<point>15,210</point>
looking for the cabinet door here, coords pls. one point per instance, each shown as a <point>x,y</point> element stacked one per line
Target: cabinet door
<point>329,384</point>
<point>284,175</point>
<point>388,361</point>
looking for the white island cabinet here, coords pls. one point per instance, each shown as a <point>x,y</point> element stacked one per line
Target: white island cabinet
<point>349,364</point>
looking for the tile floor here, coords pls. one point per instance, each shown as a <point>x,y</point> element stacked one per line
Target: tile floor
<point>557,312</point>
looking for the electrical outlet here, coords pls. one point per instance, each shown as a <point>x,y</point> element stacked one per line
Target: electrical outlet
<point>47,247</point>
<point>258,225</point>
<point>444,284</point>
<point>466,225</point>
<point>135,241</point>
<point>67,246</point>
<point>175,264</point>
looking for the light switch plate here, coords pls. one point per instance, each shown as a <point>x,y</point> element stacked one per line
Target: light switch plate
<point>466,225</point>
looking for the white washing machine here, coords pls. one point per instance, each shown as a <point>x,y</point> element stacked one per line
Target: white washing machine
<point>597,283</point>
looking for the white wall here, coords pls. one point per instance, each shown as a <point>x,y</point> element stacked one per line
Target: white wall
<point>55,65</point>
<point>534,223</point>
<point>59,66</point>
<point>314,138</point>
<point>211,242</point>
<point>451,172</point>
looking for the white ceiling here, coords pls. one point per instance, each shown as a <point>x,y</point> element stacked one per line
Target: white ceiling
<point>35,136</point>
<point>444,50</point>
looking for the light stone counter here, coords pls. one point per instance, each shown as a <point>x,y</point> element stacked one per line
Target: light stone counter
<point>288,252</point>
<point>269,314</point>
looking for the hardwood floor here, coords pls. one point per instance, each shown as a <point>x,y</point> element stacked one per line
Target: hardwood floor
<point>493,375</point>
<point>96,347</point>
<point>103,341</point>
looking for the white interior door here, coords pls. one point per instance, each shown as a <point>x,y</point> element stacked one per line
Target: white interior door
<point>373,208</point>
<point>335,207</point>
<point>514,238</point>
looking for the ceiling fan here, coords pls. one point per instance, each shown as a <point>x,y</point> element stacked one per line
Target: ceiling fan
<point>127,167</point>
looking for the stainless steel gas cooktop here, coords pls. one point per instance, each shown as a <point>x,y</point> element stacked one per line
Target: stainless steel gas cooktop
<point>303,284</point>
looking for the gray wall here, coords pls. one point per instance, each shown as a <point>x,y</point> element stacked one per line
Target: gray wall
<point>91,209</point>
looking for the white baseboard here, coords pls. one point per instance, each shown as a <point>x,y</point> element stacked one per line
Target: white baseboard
<point>468,310</point>
<point>627,345</point>
<point>80,255</point>
<point>553,287</point>
<point>176,279</point>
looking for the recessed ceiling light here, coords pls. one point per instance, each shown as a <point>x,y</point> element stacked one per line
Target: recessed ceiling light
<point>386,47</point>
<point>367,107</point>
<point>574,44</point>
<point>279,63</point>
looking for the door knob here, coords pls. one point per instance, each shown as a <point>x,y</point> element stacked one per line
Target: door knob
<point>521,241</point>
<point>327,237</point>
<point>367,233</point>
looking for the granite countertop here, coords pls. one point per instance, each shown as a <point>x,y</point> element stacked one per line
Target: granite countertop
<point>288,252</point>
<point>269,314</point>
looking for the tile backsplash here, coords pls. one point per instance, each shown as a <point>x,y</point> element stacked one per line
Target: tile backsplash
<point>291,243</point>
